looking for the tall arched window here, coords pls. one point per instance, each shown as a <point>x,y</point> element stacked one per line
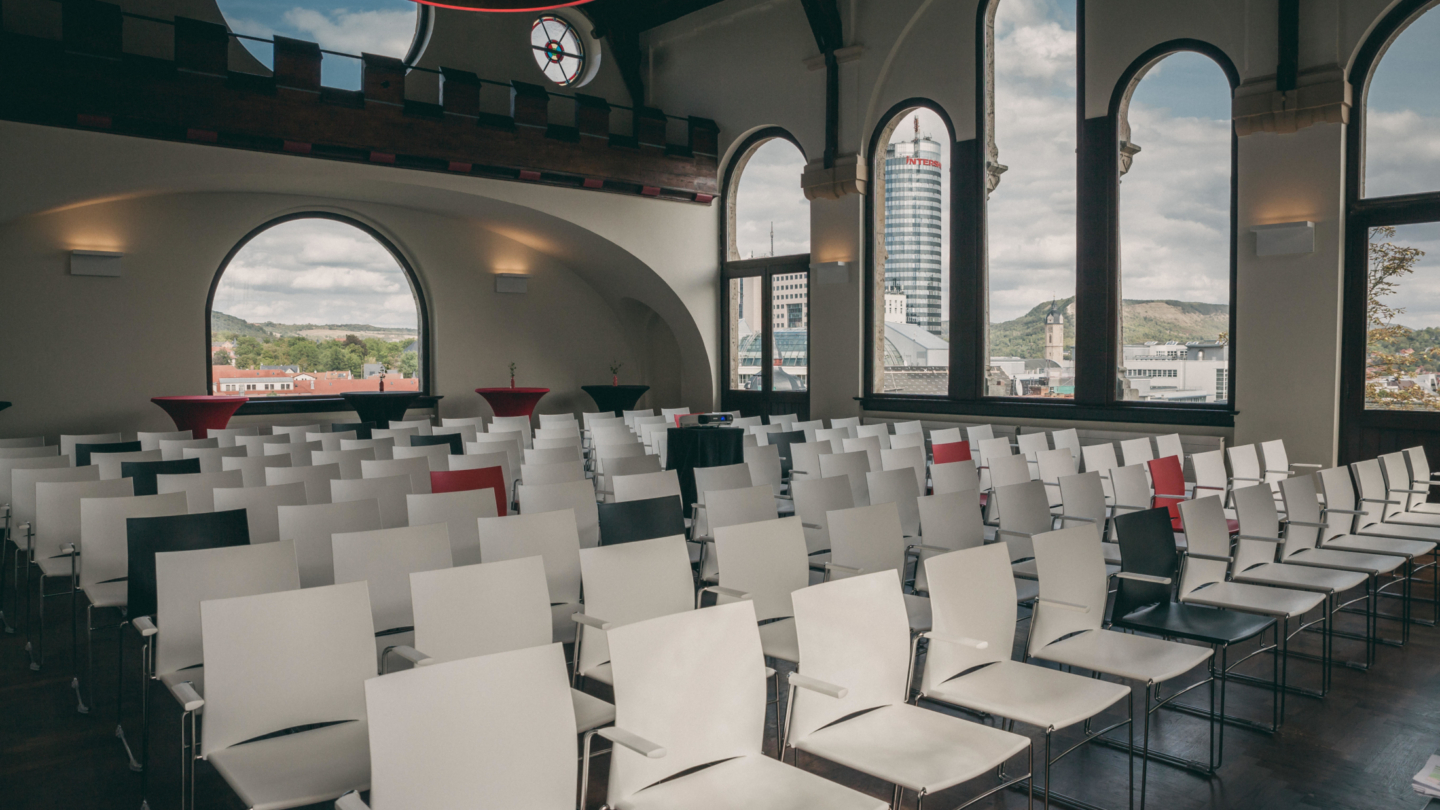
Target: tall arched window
<point>385,27</point>
<point>766,277</point>
<point>910,278</point>
<point>1176,244</point>
<point>315,305</point>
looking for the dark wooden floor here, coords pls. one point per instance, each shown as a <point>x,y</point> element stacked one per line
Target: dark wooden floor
<point>1357,748</point>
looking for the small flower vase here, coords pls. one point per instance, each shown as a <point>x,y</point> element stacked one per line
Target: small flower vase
<point>512,381</point>
<point>615,380</point>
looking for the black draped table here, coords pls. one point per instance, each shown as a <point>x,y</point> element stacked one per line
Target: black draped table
<point>381,406</point>
<point>701,446</point>
<point>615,398</point>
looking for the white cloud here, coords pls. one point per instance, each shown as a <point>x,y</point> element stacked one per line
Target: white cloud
<point>769,192</point>
<point>1402,153</point>
<point>387,32</point>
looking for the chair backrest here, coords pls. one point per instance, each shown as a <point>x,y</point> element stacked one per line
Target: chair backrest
<point>349,460</point>
<point>715,479</point>
<point>110,463</point>
<point>227,435</point>
<point>1275,459</point>
<point>947,436</point>
<point>951,520</point>
<point>907,458</point>
<point>1370,488</point>
<point>632,465</point>
<point>1302,505</point>
<point>767,560</point>
<point>645,485</point>
<point>849,424</point>
<point>455,421</point>
<point>316,479</point>
<point>92,453</point>
<point>252,468</point>
<point>261,505</point>
<point>1210,477</point>
<point>1255,510</point>
<point>484,609</point>
<point>1136,451</point>
<point>310,528</point>
<point>103,532</point>
<point>910,427</point>
<point>1170,445</point>
<point>1055,464</point>
<point>880,432</point>
<point>1131,488</point>
<point>955,476</point>
<point>1147,546</point>
<point>389,493</point>
<point>513,424</point>
<point>323,632</point>
<point>1244,465</point>
<point>805,458</point>
<point>329,440</point>
<point>577,495</point>
<point>383,449</point>
<point>552,536</point>
<point>986,449</point>
<point>417,468</point>
<point>853,466</point>
<point>1007,470</point>
<point>467,433</point>
<point>299,452</point>
<point>645,519</point>
<point>834,436</point>
<point>1419,475</point>
<point>553,419</point>
<point>1169,482</point>
<point>552,442</point>
<point>9,465</point>
<point>815,499</point>
<point>1072,585</point>
<point>868,538</point>
<point>853,633</point>
<point>25,479</point>
<point>1032,444</point>
<point>1024,511</point>
<point>362,430</point>
<point>147,536</point>
<point>1339,495</point>
<point>807,427</point>
<point>143,473</point>
<point>36,451</point>
<point>598,417</point>
<point>454,443</point>
<point>1397,483</point>
<point>458,511</point>
<point>199,488</point>
<point>1068,439</point>
<point>386,558</point>
<point>1206,533</point>
<point>731,507</point>
<point>184,578</point>
<point>972,595</point>
<point>708,661</point>
<point>422,426</point>
<point>897,487</point>
<point>26,441</point>
<point>69,441</point>
<point>173,449</point>
<point>480,461</point>
<point>57,511</point>
<point>630,416</point>
<point>631,582</point>
<point>400,435</point>
<point>979,433</point>
<point>553,456</point>
<point>1082,496</point>
<point>912,439</point>
<point>784,420</point>
<point>255,445</point>
<point>483,478</point>
<point>559,473</point>
<point>764,464</point>
<point>1099,457</point>
<point>296,432</point>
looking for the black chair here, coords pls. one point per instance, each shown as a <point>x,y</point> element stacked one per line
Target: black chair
<point>1145,603</point>
<point>640,520</point>
<point>362,429</point>
<point>83,451</point>
<point>455,440</point>
<point>143,473</point>
<point>783,441</point>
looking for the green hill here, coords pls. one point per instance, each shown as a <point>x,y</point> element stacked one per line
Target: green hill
<point>1144,321</point>
<point>224,326</point>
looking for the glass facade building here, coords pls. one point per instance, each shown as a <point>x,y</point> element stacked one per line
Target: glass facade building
<point>913,228</point>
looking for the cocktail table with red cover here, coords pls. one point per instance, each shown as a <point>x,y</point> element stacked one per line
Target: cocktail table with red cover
<point>512,401</point>
<point>199,414</point>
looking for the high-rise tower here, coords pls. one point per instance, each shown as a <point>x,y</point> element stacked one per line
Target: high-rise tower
<point>912,226</point>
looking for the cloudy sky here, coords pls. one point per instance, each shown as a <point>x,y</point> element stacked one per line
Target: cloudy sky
<point>316,271</point>
<point>384,27</point>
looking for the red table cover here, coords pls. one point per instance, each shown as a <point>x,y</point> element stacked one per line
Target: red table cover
<point>512,401</point>
<point>199,414</point>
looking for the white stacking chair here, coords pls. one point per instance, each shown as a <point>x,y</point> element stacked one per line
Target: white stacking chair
<point>870,445</point>
<point>199,488</point>
<point>480,461</point>
<point>646,485</point>
<point>1398,491</point>
<point>347,460</point>
<point>914,426</point>
<point>768,561</point>
<point>808,427</point>
<point>1068,439</point>
<point>947,436</point>
<point>835,436</point>
<point>1052,465</point>
<point>252,468</point>
<point>784,420</point>
<point>1024,512</point>
<point>629,417</point>
<point>34,451</point>
<point>437,456</point>
<point>1354,530</point>
<point>151,440</point>
<point>1031,445</point>
<point>316,479</point>
<point>556,419</point>
<point>632,465</point>
<point>553,456</point>
<point>311,527</point>
<point>732,507</point>
<point>329,440</point>
<point>1136,451</point>
<point>851,704</point>
<point>423,427</point>
<point>764,464</point>
<point>227,435</point>
<point>867,540</point>
<point>1131,488</point>
<point>476,422</point>
<point>710,662</point>
<point>552,536</point>
<point>544,442</point>
<point>399,435</point>
<point>385,559</point>
<point>615,432</point>
<point>897,487</point>
<point>576,495</point>
<point>1210,475</point>
<point>714,479</point>
<point>849,424</point>
<point>1245,468</point>
<point>952,522</point>
<point>956,476</point>
<point>605,452</point>
<point>295,432</point>
<point>467,433</point>
<point>109,463</point>
<point>670,413</point>
<point>1169,445</point>
<point>968,664</point>
<point>1100,458</point>
<point>562,472</point>
<point>852,465</point>
<point>383,449</point>
<point>1420,479</point>
<point>915,439</point>
<point>1082,500</point>
<point>11,523</point>
<point>417,468</point>
<point>911,458</point>
<point>325,633</point>
<point>986,453</point>
<point>880,431</point>
<point>68,442</point>
<point>388,493</point>
<point>815,499</point>
<point>261,505</point>
<point>26,441</point>
<point>979,433</point>
<point>459,511</point>
<point>513,424</point>
<point>642,422</point>
<point>212,459</point>
<point>805,459</point>
<point>255,445</point>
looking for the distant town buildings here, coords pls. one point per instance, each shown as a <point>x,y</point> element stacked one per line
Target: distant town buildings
<point>1177,372</point>
<point>282,382</point>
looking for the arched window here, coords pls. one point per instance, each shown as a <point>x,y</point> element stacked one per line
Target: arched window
<point>1030,213</point>
<point>1176,243</point>
<point>766,277</point>
<point>385,27</point>
<point>315,305</point>
<point>910,280</point>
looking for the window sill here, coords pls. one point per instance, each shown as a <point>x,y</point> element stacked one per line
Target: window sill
<point>268,406</point>
<point>1208,416</point>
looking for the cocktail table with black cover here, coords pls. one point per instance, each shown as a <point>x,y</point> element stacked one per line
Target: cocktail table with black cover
<point>615,398</point>
<point>701,446</point>
<point>381,406</point>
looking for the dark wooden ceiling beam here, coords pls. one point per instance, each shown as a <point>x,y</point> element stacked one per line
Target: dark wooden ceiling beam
<point>824,17</point>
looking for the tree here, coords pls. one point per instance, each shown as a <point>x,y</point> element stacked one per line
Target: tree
<point>247,352</point>
<point>409,364</point>
<point>1390,365</point>
<point>221,358</point>
<point>351,340</point>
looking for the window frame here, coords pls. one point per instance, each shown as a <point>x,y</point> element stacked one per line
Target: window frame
<point>321,403</point>
<point>583,57</point>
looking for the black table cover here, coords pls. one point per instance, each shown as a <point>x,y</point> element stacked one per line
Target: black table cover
<point>381,406</point>
<point>615,398</point>
<point>701,446</point>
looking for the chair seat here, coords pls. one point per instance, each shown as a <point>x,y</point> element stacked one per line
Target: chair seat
<point>918,749</point>
<point>1404,530</point>
<point>1111,552</point>
<point>1026,590</point>
<point>601,673</point>
<point>1037,696</point>
<point>1379,545</point>
<point>113,594</point>
<point>56,566</point>
<point>751,782</point>
<point>1426,508</point>
<point>1125,656</point>
<point>590,711</point>
<point>1415,519</point>
<point>1304,577</point>
<point>294,770</point>
<point>918,609</point>
<point>562,627</point>
<point>1207,625</point>
<point>1284,602</point>
<point>1345,560</point>
<point>777,640</point>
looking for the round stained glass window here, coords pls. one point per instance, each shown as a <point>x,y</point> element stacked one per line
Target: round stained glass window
<point>558,51</point>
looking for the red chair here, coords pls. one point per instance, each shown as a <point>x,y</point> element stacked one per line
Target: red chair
<point>1168,478</point>
<point>953,451</point>
<point>464,480</point>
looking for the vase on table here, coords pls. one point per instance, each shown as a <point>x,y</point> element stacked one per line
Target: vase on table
<point>615,380</point>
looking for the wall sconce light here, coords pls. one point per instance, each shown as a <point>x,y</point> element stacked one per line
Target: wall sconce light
<point>96,263</point>
<point>511,283</point>
<point>1284,239</point>
<point>831,272</point>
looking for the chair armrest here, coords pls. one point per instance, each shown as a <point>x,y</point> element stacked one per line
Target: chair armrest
<point>1214,557</point>
<point>723,591</point>
<point>1143,578</point>
<point>1286,473</point>
<point>818,686</point>
<point>1063,605</point>
<point>351,801</point>
<point>1127,506</point>
<point>919,547</point>
<point>1076,517</point>
<point>634,742</point>
<point>145,626</point>
<point>695,506</point>
<point>833,565</point>
<point>1217,489</point>
<point>1379,500</point>
<point>1242,478</point>
<point>704,538</point>
<point>185,694</point>
<point>1274,540</point>
<point>811,525</point>
<point>1305,464</point>
<point>1012,531</point>
<point>69,550</point>
<point>414,656</point>
<point>1306,523</point>
<point>1413,491</point>
<point>589,621</point>
<point>1328,510</point>
<point>961,640</point>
